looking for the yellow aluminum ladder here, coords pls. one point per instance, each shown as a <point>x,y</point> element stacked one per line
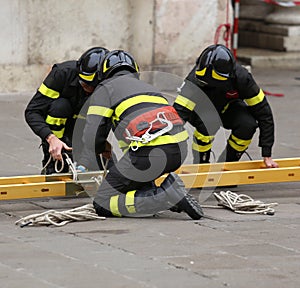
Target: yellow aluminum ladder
<point>193,176</point>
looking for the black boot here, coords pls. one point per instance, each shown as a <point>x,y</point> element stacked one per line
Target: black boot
<point>187,203</point>
<point>171,193</point>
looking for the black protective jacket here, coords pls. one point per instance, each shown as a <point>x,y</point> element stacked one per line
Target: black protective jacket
<point>193,98</point>
<point>63,82</point>
<point>118,100</point>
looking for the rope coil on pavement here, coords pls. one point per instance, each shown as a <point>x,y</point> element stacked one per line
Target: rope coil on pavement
<point>60,218</point>
<point>244,204</point>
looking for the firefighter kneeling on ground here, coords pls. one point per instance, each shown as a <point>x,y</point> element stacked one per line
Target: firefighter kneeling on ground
<point>152,137</point>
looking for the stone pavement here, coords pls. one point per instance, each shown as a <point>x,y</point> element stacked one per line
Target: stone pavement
<point>168,250</point>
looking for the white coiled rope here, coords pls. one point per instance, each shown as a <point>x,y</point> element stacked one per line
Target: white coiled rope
<point>244,204</point>
<point>60,218</point>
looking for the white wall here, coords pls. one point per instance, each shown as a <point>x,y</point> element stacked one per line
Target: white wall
<point>161,34</point>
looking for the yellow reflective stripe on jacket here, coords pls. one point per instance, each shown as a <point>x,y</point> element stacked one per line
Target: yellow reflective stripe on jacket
<point>55,120</point>
<point>129,201</point>
<point>100,111</point>
<point>185,102</point>
<point>199,136</point>
<point>59,134</point>
<point>114,206</point>
<point>124,105</point>
<point>256,99</point>
<point>201,148</point>
<point>238,144</point>
<point>48,92</point>
<point>164,139</point>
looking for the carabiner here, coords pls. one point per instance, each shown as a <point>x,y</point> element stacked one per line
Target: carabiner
<point>134,146</point>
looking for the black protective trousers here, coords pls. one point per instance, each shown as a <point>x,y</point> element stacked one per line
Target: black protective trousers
<point>136,171</point>
<point>239,120</point>
<point>242,124</point>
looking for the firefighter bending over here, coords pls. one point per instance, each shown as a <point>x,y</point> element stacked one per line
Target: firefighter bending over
<point>240,106</point>
<point>54,108</point>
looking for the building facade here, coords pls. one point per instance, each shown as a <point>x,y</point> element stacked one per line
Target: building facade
<point>164,35</point>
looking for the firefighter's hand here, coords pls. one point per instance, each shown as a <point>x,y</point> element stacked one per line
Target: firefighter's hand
<point>107,152</point>
<point>270,163</point>
<point>56,146</point>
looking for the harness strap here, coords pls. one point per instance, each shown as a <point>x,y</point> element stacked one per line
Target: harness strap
<point>153,121</point>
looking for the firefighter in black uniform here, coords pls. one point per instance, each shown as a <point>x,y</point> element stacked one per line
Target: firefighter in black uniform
<point>220,92</point>
<point>53,110</point>
<point>152,137</point>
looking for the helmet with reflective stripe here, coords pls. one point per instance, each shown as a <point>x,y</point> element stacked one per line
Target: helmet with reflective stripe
<point>115,61</point>
<point>216,62</point>
<point>88,65</point>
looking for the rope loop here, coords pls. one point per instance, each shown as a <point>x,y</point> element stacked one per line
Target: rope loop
<point>226,33</point>
<point>60,218</point>
<point>244,204</point>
